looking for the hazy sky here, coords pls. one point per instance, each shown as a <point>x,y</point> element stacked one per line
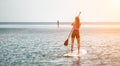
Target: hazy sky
<point>62,10</point>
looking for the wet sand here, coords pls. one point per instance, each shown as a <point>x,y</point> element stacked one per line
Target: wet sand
<point>44,47</point>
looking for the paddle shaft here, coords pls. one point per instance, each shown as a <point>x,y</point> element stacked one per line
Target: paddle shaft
<point>70,33</point>
<point>79,14</point>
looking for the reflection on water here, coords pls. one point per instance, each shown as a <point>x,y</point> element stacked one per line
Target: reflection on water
<point>76,62</point>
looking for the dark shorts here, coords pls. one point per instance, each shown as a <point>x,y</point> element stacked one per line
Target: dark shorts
<point>75,33</point>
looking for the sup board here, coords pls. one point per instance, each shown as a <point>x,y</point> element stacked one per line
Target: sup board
<point>75,53</point>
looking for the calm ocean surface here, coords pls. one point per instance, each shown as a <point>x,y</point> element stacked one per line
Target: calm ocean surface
<point>32,47</point>
<point>38,45</point>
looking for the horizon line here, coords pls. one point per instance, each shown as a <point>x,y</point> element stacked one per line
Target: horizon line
<point>46,23</point>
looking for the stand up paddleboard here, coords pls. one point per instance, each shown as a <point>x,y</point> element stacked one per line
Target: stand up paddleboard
<point>75,53</point>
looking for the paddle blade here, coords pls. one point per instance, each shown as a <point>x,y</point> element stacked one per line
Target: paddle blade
<point>66,43</point>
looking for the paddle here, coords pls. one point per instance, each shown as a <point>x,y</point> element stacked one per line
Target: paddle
<point>66,42</point>
<point>79,13</point>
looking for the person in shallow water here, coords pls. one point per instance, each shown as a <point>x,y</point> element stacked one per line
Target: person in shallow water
<point>75,34</point>
<point>58,23</point>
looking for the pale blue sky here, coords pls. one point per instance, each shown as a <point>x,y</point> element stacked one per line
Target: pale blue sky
<point>62,10</point>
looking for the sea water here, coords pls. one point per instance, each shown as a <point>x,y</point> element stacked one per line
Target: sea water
<point>32,45</point>
<point>36,45</point>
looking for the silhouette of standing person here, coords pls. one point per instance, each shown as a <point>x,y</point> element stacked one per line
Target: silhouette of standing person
<point>76,26</point>
<point>58,23</point>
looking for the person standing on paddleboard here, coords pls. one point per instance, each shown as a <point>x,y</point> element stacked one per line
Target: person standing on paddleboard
<point>76,26</point>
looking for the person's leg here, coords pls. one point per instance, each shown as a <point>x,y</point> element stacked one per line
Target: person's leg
<point>78,41</point>
<point>72,39</point>
<point>72,45</point>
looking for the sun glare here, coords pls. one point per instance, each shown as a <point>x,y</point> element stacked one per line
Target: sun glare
<point>115,3</point>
